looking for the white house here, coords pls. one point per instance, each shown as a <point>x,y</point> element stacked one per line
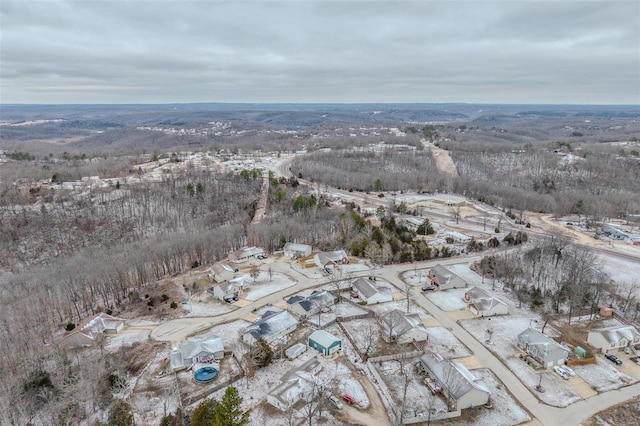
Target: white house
<point>203,351</point>
<point>295,385</point>
<point>370,293</point>
<point>271,326</point>
<point>86,333</point>
<point>220,272</point>
<point>542,348</point>
<point>226,291</point>
<point>614,339</point>
<point>481,303</point>
<point>327,260</point>
<point>295,250</point>
<point>402,328</point>
<point>312,304</point>
<point>461,387</point>
<point>444,279</point>
<point>246,253</point>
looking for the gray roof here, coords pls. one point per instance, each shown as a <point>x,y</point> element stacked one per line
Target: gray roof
<point>365,287</point>
<point>314,300</point>
<point>545,344</point>
<point>452,376</point>
<point>401,322</point>
<point>616,333</point>
<point>442,274</point>
<point>270,324</point>
<point>482,299</point>
<point>212,345</point>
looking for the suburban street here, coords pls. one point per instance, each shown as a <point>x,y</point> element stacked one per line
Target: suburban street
<point>177,330</point>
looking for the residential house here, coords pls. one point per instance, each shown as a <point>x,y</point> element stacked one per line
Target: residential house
<point>461,387</point>
<point>246,253</point>
<point>542,348</point>
<point>298,384</point>
<point>226,291</point>
<point>369,292</point>
<point>193,352</point>
<point>303,307</point>
<point>458,237</point>
<point>295,250</point>
<point>481,303</point>
<point>444,279</point>
<point>329,259</point>
<point>412,223</point>
<point>220,272</point>
<point>86,333</point>
<point>614,339</point>
<point>271,326</point>
<point>614,233</point>
<point>324,342</point>
<point>402,328</point>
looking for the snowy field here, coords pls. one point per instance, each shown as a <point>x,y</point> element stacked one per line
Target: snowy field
<point>205,305</point>
<point>383,308</point>
<point>603,376</point>
<point>442,341</point>
<point>448,300</point>
<point>115,342</point>
<point>263,285</point>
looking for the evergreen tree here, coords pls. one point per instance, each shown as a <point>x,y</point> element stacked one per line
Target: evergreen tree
<point>229,410</point>
<point>205,413</point>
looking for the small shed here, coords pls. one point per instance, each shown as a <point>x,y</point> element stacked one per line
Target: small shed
<point>295,350</point>
<point>324,342</point>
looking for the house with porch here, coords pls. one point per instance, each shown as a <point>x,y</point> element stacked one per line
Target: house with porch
<point>295,250</point>
<point>271,327</point>
<point>459,385</point>
<point>90,329</point>
<point>304,307</point>
<point>368,291</point>
<point>297,384</point>
<point>193,352</point>
<point>444,279</point>
<point>400,327</point>
<point>614,339</point>
<point>246,253</point>
<point>220,272</point>
<point>542,348</point>
<point>482,304</point>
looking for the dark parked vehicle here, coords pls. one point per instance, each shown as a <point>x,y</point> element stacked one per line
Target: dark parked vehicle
<point>428,287</point>
<point>613,359</point>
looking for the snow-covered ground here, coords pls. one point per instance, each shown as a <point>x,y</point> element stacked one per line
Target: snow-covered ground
<point>603,376</point>
<point>115,342</point>
<point>442,341</point>
<point>383,308</point>
<point>448,300</point>
<point>263,285</point>
<point>205,305</point>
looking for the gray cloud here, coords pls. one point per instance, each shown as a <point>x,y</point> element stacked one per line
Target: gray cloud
<point>522,51</point>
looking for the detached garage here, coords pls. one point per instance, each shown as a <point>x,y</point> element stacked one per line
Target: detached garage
<point>324,342</point>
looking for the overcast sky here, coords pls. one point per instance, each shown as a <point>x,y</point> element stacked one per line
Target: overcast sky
<point>158,51</point>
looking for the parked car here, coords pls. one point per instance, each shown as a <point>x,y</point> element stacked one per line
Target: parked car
<point>561,372</point>
<point>261,257</point>
<point>354,295</point>
<point>336,402</point>
<point>613,359</point>
<point>428,287</point>
<point>569,370</point>
<point>348,397</point>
